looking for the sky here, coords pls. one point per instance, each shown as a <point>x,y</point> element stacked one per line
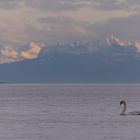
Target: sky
<point>52,21</point>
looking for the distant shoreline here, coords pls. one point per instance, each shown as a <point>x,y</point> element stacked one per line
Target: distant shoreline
<point>71,84</point>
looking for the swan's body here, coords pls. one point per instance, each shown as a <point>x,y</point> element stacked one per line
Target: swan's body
<point>123,112</point>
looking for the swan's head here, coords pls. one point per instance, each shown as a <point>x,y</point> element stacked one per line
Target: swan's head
<point>122,102</point>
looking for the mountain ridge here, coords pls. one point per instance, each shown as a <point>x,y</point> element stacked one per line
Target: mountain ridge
<point>87,63</point>
<point>112,47</point>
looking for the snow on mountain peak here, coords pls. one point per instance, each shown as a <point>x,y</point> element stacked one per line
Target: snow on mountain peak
<point>33,52</point>
<point>8,55</point>
<point>137,45</point>
<point>121,43</point>
<point>114,40</point>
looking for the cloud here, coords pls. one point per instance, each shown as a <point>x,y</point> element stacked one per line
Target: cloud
<point>12,31</point>
<point>64,5</point>
<point>64,29</point>
<point>126,28</point>
<point>134,2</point>
<point>8,4</point>
<point>110,4</point>
<point>45,20</point>
<point>59,5</point>
<point>49,30</point>
<point>47,5</point>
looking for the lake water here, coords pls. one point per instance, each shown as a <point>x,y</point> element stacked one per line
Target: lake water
<point>68,112</point>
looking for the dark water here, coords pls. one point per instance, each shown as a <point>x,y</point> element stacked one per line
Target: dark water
<point>68,112</point>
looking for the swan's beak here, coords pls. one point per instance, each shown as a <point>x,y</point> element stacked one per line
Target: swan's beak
<point>120,103</point>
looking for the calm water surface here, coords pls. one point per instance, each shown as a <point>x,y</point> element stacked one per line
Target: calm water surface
<point>68,112</point>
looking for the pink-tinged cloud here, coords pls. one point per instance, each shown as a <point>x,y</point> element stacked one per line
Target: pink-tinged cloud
<point>13,31</point>
<point>64,29</point>
<point>53,24</point>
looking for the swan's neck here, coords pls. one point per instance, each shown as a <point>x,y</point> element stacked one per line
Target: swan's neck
<point>124,109</point>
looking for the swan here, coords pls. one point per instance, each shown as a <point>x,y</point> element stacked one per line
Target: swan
<point>124,109</point>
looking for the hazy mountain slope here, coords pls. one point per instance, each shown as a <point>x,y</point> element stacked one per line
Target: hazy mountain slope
<point>70,68</point>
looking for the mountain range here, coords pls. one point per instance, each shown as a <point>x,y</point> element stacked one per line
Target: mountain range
<point>111,60</point>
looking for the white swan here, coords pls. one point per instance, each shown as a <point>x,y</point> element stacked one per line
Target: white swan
<point>124,109</point>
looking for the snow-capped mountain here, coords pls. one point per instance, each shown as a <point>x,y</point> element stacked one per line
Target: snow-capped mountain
<point>28,51</point>
<point>110,45</point>
<point>112,48</point>
<point>112,40</point>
